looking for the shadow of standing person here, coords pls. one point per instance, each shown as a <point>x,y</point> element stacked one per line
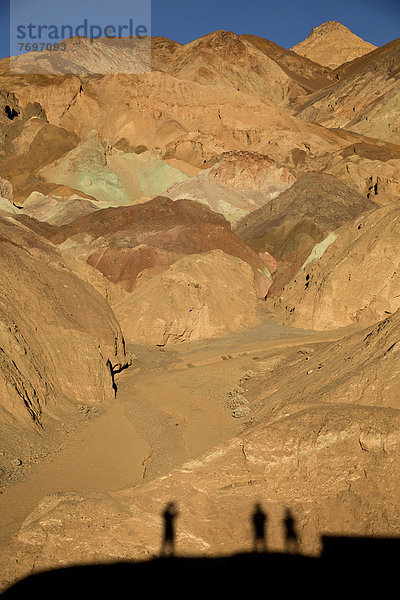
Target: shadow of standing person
<point>259,519</point>
<point>168,542</point>
<point>291,538</point>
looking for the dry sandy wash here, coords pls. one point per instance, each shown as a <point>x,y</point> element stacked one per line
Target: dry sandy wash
<point>199,298</point>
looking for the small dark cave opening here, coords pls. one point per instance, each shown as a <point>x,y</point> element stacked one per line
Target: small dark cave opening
<point>10,112</point>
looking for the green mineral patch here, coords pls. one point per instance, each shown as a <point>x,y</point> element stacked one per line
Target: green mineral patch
<point>113,178</point>
<point>319,249</point>
<point>143,175</point>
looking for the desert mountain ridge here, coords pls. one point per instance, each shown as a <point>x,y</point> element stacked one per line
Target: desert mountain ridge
<point>199,297</point>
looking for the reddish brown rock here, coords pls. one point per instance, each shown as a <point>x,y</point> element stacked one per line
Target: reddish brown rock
<point>125,241</point>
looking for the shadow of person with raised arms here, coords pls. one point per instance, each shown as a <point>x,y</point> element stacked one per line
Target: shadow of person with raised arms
<point>168,542</point>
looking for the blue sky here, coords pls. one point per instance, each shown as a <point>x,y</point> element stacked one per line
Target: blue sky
<point>285,22</point>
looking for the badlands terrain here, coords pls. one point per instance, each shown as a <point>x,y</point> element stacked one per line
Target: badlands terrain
<point>200,296</point>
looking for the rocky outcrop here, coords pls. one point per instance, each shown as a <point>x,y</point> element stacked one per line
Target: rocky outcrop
<point>6,190</point>
<point>222,58</point>
<point>250,171</point>
<point>359,370</point>
<point>199,297</point>
<point>195,104</point>
<point>222,93</point>
<point>371,169</point>
<point>289,226</point>
<point>82,57</point>
<point>60,343</point>
<point>7,207</point>
<point>354,278</point>
<point>30,142</point>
